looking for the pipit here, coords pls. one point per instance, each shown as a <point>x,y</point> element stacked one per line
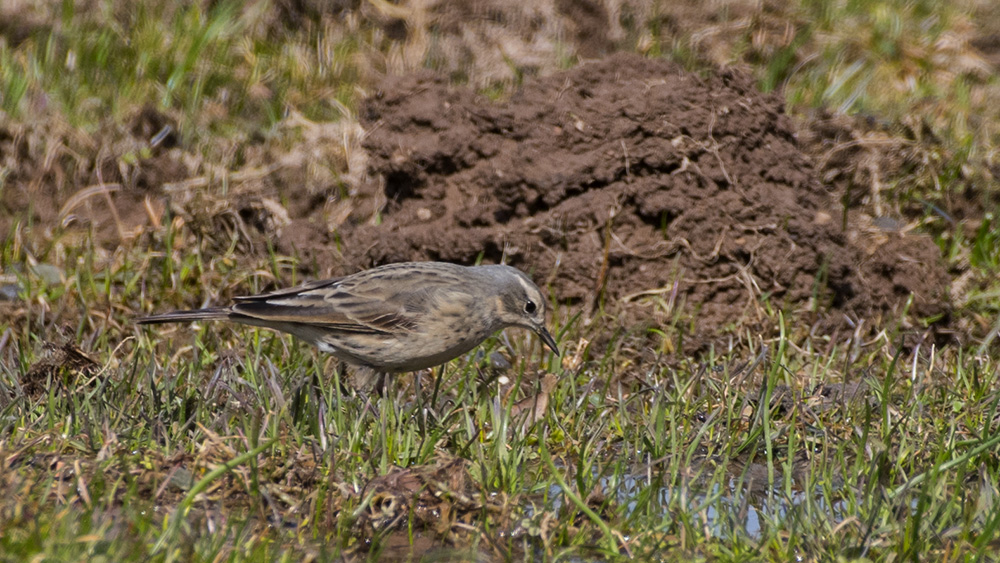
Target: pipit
<point>394,318</point>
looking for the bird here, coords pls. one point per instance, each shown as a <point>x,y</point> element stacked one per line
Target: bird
<point>395,318</point>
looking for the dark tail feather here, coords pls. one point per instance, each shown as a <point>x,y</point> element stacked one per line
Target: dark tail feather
<point>213,314</point>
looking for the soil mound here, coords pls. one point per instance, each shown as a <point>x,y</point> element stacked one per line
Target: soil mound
<point>637,186</point>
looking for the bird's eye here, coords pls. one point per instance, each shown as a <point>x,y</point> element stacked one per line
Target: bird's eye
<point>530,307</point>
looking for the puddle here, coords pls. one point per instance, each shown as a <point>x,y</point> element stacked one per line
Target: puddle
<point>745,507</point>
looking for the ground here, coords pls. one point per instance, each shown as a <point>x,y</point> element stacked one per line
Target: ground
<point>616,184</point>
<point>766,231</point>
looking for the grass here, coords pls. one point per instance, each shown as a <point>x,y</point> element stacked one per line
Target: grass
<point>205,61</point>
<point>212,442</point>
<point>237,443</point>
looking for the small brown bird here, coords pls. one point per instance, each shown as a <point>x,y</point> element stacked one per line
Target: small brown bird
<point>394,318</point>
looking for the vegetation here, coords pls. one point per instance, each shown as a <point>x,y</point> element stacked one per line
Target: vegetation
<point>227,443</point>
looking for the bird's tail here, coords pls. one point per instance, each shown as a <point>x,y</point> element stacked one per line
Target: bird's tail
<point>211,314</point>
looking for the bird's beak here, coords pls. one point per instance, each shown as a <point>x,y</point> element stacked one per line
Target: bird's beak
<point>543,333</point>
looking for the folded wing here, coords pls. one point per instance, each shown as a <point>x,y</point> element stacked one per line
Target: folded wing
<point>330,305</point>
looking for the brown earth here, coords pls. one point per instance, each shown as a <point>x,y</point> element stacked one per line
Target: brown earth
<point>62,181</point>
<point>636,182</point>
<point>628,184</point>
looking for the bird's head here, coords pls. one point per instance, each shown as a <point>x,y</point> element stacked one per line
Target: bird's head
<point>520,303</point>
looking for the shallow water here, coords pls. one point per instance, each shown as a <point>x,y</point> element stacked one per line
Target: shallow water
<point>745,507</point>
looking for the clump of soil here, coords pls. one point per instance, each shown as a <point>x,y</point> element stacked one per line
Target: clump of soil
<point>628,184</point>
<point>632,183</point>
<point>435,497</point>
<point>65,364</point>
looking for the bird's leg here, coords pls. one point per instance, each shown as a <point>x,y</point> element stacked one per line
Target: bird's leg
<point>418,401</point>
<point>381,384</point>
<point>422,420</point>
<point>437,386</point>
<point>342,378</point>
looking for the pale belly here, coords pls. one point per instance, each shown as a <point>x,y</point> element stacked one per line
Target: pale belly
<point>399,354</point>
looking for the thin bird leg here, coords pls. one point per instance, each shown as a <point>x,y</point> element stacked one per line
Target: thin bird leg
<point>433,405</point>
<point>382,384</point>
<point>418,401</point>
<point>342,378</point>
<point>437,386</point>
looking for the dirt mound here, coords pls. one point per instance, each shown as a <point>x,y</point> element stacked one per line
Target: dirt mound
<point>628,184</point>
<point>637,185</point>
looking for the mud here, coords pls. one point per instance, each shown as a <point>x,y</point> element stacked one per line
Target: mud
<point>635,185</point>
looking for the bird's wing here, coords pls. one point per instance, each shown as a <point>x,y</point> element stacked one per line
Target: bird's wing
<point>317,284</point>
<point>343,307</point>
